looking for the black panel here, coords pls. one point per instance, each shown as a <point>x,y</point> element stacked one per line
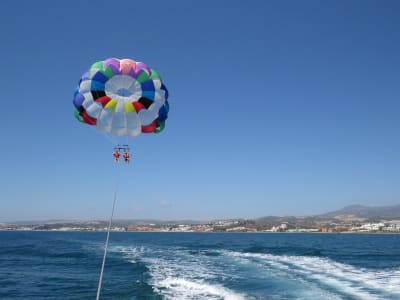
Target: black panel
<point>97,94</point>
<point>146,102</point>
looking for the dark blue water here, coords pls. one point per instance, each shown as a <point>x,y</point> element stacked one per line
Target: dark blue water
<point>61,265</point>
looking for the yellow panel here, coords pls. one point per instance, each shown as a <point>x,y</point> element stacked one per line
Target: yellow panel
<point>129,107</point>
<point>112,104</point>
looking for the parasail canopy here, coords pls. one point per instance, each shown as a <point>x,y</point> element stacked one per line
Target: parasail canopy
<point>122,97</point>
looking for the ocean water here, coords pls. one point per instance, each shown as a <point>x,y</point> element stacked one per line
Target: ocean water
<point>66,265</point>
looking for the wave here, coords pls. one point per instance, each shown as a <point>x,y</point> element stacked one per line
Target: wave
<point>336,277</point>
<point>131,253</point>
<point>181,273</point>
<point>181,288</point>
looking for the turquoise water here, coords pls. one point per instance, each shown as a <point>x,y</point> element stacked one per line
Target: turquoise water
<point>61,265</point>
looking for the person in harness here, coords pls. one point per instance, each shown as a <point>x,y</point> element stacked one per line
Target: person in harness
<point>127,157</point>
<point>116,155</point>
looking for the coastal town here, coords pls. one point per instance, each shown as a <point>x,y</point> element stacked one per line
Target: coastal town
<point>339,224</point>
<point>350,219</point>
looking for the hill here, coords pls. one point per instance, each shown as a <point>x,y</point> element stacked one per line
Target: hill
<point>367,212</point>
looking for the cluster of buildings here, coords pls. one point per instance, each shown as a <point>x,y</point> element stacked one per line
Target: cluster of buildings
<point>171,228</point>
<point>382,226</point>
<point>220,226</point>
<point>388,226</point>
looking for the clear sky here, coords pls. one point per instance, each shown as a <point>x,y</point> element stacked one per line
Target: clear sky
<point>277,108</point>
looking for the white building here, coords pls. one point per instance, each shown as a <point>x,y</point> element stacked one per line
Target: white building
<point>372,226</point>
<point>392,226</point>
<point>282,227</point>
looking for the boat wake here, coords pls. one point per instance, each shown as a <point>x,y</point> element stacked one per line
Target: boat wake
<point>180,273</point>
<point>337,278</point>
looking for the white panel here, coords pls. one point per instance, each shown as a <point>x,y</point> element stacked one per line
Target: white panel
<point>88,95</point>
<point>118,131</point>
<point>104,121</point>
<point>110,87</point>
<point>160,97</point>
<point>94,110</point>
<point>93,72</point>
<point>155,107</point>
<point>134,127</point>
<point>157,84</point>
<point>120,106</point>
<point>87,102</point>
<point>136,91</point>
<point>118,126</point>
<point>117,83</point>
<point>135,132</point>
<point>147,116</point>
<point>84,87</point>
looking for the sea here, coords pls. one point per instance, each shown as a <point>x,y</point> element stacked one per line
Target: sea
<point>232,266</point>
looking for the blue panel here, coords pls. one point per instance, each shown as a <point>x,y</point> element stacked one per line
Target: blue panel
<point>76,91</point>
<point>148,85</point>
<point>97,86</point>
<point>163,87</point>
<point>148,94</point>
<point>100,77</point>
<point>162,114</point>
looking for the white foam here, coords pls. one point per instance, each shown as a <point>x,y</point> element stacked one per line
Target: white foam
<point>131,253</point>
<point>180,275</point>
<point>347,279</point>
<point>176,273</point>
<point>180,288</point>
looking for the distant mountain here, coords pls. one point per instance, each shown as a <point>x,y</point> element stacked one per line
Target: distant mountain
<point>368,212</point>
<point>348,213</point>
<point>116,222</point>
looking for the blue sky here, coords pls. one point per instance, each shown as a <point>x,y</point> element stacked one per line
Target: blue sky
<point>277,108</point>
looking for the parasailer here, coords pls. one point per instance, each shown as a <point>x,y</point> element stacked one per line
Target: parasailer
<point>116,155</point>
<point>127,157</point>
<point>126,153</point>
<point>122,97</point>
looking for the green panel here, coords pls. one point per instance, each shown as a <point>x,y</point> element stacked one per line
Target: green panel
<point>78,116</point>
<point>160,128</point>
<point>98,65</point>
<point>143,77</point>
<point>154,75</point>
<point>108,72</point>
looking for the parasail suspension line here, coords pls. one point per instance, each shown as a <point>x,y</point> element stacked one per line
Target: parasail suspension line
<point>108,236</point>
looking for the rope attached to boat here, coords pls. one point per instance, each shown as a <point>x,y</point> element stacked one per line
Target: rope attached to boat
<point>108,236</point>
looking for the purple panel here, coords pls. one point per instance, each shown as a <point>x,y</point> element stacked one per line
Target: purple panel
<point>84,77</point>
<point>142,66</point>
<point>115,69</point>
<point>78,100</point>
<point>114,65</point>
<point>111,61</point>
<point>133,74</point>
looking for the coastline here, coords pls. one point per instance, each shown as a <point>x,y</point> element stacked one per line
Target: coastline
<point>210,232</point>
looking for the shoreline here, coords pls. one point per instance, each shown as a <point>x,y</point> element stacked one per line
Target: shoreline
<point>204,232</point>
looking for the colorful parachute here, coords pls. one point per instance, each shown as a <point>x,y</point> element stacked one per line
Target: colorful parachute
<point>122,97</point>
